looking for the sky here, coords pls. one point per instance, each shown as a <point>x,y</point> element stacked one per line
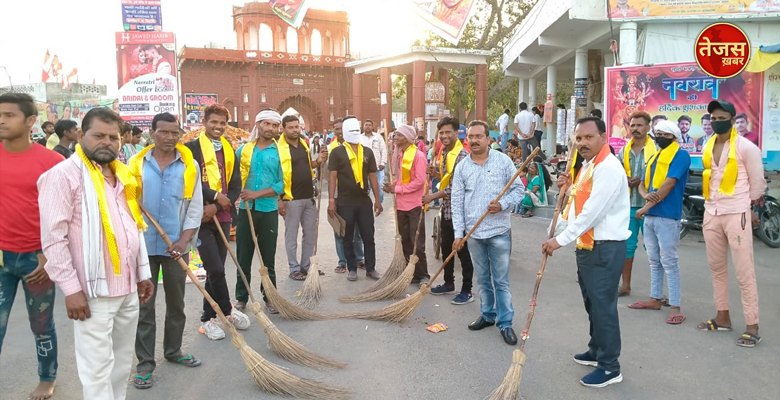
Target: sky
<point>83,36</point>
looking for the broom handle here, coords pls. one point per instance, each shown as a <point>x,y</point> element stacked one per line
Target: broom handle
<point>479,221</point>
<point>186,269</point>
<point>422,217</point>
<point>319,200</point>
<point>532,304</point>
<point>390,173</point>
<point>233,256</point>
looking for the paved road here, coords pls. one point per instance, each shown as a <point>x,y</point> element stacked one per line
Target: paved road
<point>404,361</point>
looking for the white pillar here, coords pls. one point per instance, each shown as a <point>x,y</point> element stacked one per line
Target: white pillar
<point>549,144</point>
<point>627,46</point>
<point>520,93</point>
<point>532,92</point>
<point>581,78</point>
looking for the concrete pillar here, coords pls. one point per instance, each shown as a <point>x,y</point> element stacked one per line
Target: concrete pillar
<point>481,88</point>
<point>531,92</point>
<point>418,94</point>
<point>581,80</point>
<point>386,90</point>
<point>357,96</point>
<point>627,48</point>
<point>549,144</point>
<point>444,78</point>
<point>520,93</point>
<point>409,101</point>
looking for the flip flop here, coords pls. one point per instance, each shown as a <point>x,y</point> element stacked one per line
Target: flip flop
<point>340,269</point>
<point>188,361</point>
<point>710,325</point>
<point>675,319</point>
<point>640,305</point>
<point>749,336</point>
<point>143,381</point>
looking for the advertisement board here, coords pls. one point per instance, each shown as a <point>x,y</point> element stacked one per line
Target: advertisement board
<point>680,93</point>
<point>194,104</point>
<point>447,18</point>
<point>771,125</point>
<point>142,15</point>
<point>642,9</point>
<point>73,110</point>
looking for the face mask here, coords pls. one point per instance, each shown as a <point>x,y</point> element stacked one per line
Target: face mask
<point>664,142</point>
<point>721,127</point>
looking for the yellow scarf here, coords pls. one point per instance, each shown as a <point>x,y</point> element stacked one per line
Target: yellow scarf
<point>124,175</point>
<point>246,160</point>
<point>406,163</point>
<point>356,161</point>
<point>211,165</point>
<point>650,150</point>
<point>664,157</point>
<point>729,180</point>
<point>136,165</point>
<point>452,155</point>
<point>580,192</point>
<point>333,144</point>
<point>286,159</point>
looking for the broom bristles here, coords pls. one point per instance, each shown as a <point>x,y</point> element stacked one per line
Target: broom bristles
<point>395,312</point>
<point>395,269</point>
<point>287,309</point>
<point>273,379</point>
<point>510,387</point>
<point>311,293</point>
<point>391,291</point>
<point>288,348</point>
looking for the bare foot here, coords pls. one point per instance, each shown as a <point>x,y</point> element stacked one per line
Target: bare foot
<point>44,391</point>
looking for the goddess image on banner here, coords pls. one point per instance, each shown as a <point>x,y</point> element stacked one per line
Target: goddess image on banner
<point>680,93</point>
<point>447,18</point>
<point>291,11</point>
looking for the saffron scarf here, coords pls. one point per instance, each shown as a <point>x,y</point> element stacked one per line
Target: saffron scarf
<point>650,150</point>
<point>664,158</point>
<point>210,163</point>
<point>356,161</point>
<point>729,180</point>
<point>580,192</point>
<point>136,165</point>
<point>286,159</point>
<point>452,155</point>
<point>125,176</point>
<point>407,159</point>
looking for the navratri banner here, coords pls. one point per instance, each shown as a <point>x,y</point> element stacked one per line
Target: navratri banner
<point>680,93</point>
<point>641,9</point>
<point>194,104</point>
<point>447,18</point>
<point>73,110</point>
<point>771,126</point>
<point>291,11</point>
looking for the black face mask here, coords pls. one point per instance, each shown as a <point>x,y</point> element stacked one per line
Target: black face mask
<point>664,142</point>
<point>722,127</point>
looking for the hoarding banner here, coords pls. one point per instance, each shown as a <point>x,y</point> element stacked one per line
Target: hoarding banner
<point>446,18</point>
<point>146,75</point>
<point>73,110</point>
<point>142,15</point>
<point>771,134</point>
<point>291,11</point>
<point>641,9</point>
<point>680,93</point>
<point>194,104</point>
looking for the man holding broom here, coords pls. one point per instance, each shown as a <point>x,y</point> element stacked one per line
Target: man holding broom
<point>92,236</point>
<point>262,181</point>
<point>598,217</point>
<point>450,157</point>
<point>298,206</point>
<point>476,183</point>
<point>169,183</point>
<point>409,166</point>
<point>220,186</point>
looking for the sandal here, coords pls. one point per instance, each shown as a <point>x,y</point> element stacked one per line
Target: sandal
<point>640,305</point>
<point>188,361</point>
<point>748,340</point>
<point>710,325</point>
<point>340,269</point>
<point>143,381</point>
<point>297,276</point>
<point>675,319</point>
<point>527,215</point>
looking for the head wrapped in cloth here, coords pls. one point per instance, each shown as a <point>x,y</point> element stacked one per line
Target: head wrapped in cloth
<point>407,132</point>
<point>268,114</point>
<point>668,127</point>
<point>351,129</point>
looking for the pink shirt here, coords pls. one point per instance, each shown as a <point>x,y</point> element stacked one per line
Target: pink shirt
<point>62,238</point>
<point>409,196</point>
<point>750,180</point>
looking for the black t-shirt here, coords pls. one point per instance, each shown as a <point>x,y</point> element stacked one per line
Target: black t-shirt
<point>349,193</point>
<point>42,141</point>
<point>63,150</point>
<point>301,186</point>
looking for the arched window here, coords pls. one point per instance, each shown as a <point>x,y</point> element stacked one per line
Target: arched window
<point>292,40</point>
<point>252,37</point>
<point>266,38</point>
<point>316,42</point>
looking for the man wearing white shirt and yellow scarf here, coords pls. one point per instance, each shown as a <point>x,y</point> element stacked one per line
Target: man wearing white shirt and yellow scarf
<point>597,213</point>
<point>298,206</point>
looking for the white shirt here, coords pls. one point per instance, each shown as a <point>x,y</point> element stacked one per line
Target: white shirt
<point>503,123</point>
<point>524,121</point>
<point>538,121</point>
<point>608,209</point>
<point>377,146</point>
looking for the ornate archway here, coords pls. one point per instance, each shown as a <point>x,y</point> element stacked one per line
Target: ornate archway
<point>308,110</point>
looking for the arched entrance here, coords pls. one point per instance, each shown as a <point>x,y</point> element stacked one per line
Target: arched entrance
<point>308,110</point>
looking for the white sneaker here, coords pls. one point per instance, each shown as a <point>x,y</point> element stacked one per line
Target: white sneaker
<point>239,320</point>
<point>212,330</point>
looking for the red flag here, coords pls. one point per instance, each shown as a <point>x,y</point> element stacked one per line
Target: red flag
<point>66,79</point>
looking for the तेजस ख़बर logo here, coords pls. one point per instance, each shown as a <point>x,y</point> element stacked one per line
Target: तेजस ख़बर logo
<point>722,50</point>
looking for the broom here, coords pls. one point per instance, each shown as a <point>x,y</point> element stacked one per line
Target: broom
<point>287,309</point>
<point>280,343</point>
<point>401,310</point>
<point>510,387</point>
<point>267,375</point>
<point>311,292</point>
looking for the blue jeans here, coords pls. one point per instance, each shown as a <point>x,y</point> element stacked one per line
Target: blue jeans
<point>635,226</point>
<point>380,179</point>
<point>662,239</point>
<point>40,306</point>
<point>435,188</point>
<point>491,264</point>
<point>504,139</point>
<point>358,242</point>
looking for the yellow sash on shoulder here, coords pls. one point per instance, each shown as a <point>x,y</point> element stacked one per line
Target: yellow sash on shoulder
<point>211,165</point>
<point>333,144</point>
<point>664,158</point>
<point>136,164</point>
<point>729,180</point>
<point>452,155</point>
<point>406,163</point>
<point>286,159</point>
<point>246,160</point>
<point>650,150</point>
<point>356,161</point>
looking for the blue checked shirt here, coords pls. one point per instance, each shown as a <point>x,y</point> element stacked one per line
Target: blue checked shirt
<point>474,186</point>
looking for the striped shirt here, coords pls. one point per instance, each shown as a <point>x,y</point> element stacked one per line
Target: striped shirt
<point>62,237</point>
